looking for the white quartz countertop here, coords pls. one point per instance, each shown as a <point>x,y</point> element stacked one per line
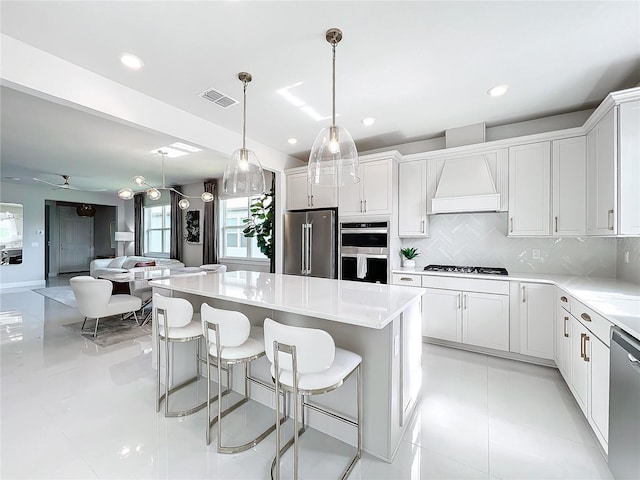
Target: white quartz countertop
<point>616,300</point>
<point>356,303</point>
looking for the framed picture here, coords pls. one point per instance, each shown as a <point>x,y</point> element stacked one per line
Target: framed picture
<point>192,221</point>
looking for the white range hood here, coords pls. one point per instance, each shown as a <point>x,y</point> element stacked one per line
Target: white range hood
<point>466,185</point>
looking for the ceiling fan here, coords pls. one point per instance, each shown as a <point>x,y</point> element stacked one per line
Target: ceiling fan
<point>66,186</point>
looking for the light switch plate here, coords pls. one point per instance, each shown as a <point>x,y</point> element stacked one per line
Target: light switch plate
<point>535,253</point>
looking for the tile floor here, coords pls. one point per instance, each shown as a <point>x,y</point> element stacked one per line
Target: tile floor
<point>70,409</point>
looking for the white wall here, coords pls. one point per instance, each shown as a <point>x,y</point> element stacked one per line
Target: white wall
<point>480,239</point>
<point>31,271</point>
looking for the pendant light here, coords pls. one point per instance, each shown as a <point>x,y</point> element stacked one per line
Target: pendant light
<point>154,193</point>
<point>334,157</point>
<point>243,175</point>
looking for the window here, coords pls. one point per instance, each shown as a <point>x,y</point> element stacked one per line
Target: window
<point>157,230</point>
<point>233,242</point>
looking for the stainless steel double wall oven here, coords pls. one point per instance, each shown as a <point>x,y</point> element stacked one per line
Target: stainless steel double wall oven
<point>364,251</point>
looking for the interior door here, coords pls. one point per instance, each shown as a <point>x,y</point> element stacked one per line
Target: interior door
<point>76,240</point>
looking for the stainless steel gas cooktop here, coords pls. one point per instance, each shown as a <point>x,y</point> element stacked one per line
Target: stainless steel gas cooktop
<point>459,269</point>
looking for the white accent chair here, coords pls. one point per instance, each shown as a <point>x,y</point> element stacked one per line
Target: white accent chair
<point>94,300</point>
<point>230,340</point>
<point>305,361</point>
<point>175,323</point>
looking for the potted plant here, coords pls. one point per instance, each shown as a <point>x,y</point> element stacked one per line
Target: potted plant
<point>408,255</point>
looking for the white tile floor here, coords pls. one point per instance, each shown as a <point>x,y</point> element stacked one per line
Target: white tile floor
<point>70,409</point>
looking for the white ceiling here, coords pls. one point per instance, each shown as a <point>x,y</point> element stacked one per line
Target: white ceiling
<point>417,67</point>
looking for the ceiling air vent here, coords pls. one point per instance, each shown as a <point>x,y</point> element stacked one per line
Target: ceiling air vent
<point>218,98</point>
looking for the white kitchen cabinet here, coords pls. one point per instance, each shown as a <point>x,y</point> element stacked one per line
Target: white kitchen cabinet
<point>529,189</point>
<point>537,313</point>
<point>485,320</point>
<point>373,194</point>
<point>579,366</point>
<point>468,311</point>
<point>302,195</point>
<point>442,314</point>
<point>562,353</point>
<point>569,164</point>
<point>412,199</point>
<point>599,388</point>
<point>629,168</point>
<point>601,176</point>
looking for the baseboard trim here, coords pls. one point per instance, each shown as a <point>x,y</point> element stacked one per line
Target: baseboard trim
<point>33,283</point>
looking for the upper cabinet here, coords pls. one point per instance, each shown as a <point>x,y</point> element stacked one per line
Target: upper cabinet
<point>302,195</point>
<point>569,166</point>
<point>629,168</point>
<point>601,176</point>
<point>373,194</point>
<point>529,189</point>
<point>412,199</point>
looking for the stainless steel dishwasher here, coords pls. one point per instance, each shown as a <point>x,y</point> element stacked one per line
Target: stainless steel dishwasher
<point>624,406</point>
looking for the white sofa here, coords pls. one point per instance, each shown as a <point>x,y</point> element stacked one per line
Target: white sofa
<point>101,266</point>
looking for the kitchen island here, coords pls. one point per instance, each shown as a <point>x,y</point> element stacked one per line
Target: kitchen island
<point>381,323</point>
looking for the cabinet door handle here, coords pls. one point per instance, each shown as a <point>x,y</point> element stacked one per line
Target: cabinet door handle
<point>610,220</point>
<point>524,298</point>
<point>582,335</point>
<point>564,327</point>
<point>464,301</point>
<point>586,339</point>
<point>564,299</point>
<point>585,317</point>
<point>458,300</point>
<point>422,226</point>
<point>511,221</point>
<point>308,201</point>
<point>556,226</point>
<point>365,206</point>
<point>361,210</point>
<point>312,200</point>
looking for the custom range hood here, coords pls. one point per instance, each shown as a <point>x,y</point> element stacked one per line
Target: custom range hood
<point>466,183</point>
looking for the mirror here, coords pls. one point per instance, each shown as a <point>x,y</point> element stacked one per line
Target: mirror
<point>11,233</point>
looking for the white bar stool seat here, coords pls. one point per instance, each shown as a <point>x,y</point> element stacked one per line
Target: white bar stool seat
<point>230,340</point>
<point>306,361</point>
<point>175,323</point>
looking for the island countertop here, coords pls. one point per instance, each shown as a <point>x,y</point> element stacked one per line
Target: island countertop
<point>355,303</point>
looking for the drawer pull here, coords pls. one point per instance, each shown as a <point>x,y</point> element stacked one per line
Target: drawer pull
<point>582,335</point>
<point>564,299</point>
<point>585,317</point>
<point>564,327</point>
<point>406,279</point>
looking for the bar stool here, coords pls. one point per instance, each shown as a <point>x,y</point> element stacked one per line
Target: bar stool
<point>228,341</point>
<point>306,361</point>
<point>175,323</point>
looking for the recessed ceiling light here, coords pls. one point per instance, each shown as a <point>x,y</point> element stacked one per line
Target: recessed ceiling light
<point>292,141</point>
<point>368,121</point>
<point>498,90</point>
<point>131,61</point>
<point>186,147</point>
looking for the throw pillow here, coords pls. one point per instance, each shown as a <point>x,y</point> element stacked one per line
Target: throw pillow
<point>150,263</point>
<point>117,262</point>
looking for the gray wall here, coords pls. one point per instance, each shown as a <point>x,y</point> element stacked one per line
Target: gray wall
<point>102,230</point>
<point>629,272</point>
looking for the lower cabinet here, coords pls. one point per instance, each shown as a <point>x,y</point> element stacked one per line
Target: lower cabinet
<point>537,312</point>
<point>563,342</point>
<point>473,318</point>
<point>579,365</point>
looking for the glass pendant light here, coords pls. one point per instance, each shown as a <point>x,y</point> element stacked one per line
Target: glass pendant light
<point>334,158</point>
<point>243,175</point>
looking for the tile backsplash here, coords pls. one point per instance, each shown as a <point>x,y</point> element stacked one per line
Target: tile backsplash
<point>480,239</point>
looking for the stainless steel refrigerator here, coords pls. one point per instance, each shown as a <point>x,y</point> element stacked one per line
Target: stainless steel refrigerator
<point>311,243</point>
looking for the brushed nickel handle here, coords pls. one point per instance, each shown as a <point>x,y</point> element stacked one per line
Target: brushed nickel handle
<point>312,200</point>
<point>585,317</point>
<point>422,226</point>
<point>365,206</point>
<point>556,228</point>
<point>406,279</point>
<point>564,299</point>
<point>582,335</point>
<point>361,210</point>
<point>586,339</point>
<point>464,301</point>
<point>524,298</point>
<point>308,201</point>
<point>610,220</point>
<point>511,220</point>
<point>458,297</point>
<point>564,327</point>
